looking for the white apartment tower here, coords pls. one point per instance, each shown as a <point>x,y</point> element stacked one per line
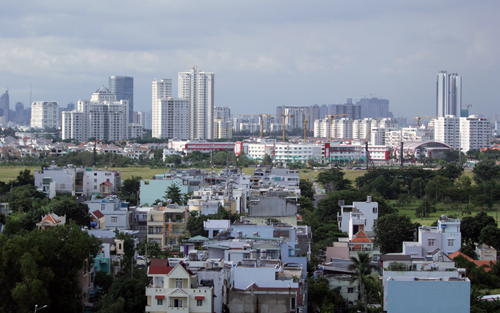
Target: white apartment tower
<point>44,114</point>
<point>173,119</point>
<point>162,89</point>
<point>101,117</point>
<point>198,88</point>
<point>447,130</point>
<point>448,94</point>
<point>474,133</point>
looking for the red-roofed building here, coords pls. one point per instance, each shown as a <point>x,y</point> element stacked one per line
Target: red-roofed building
<point>98,218</point>
<point>479,263</point>
<point>175,288</point>
<point>51,220</point>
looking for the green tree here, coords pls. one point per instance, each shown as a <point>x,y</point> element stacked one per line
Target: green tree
<point>333,180</point>
<point>194,224</point>
<point>471,227</point>
<point>319,294</point>
<point>154,250</point>
<point>267,160</point>
<point>42,266</point>
<point>130,189</point>
<point>173,193</point>
<point>220,158</point>
<point>391,230</point>
<point>75,211</point>
<point>490,235</point>
<point>131,290</point>
<point>103,280</point>
<point>485,171</point>
<point>25,178</point>
<point>306,189</point>
<point>469,250</point>
<point>362,267</point>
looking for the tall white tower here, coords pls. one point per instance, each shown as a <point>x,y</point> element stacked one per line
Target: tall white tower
<point>448,94</point>
<point>162,89</point>
<point>198,88</point>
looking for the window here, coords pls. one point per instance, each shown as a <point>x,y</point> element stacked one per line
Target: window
<point>199,302</point>
<point>375,210</point>
<point>432,242</point>
<point>350,289</point>
<point>451,242</point>
<point>177,303</point>
<point>178,283</point>
<point>159,301</point>
<point>114,220</point>
<point>95,180</point>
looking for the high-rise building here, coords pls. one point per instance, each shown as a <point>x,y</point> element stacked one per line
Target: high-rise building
<point>102,117</point>
<point>374,108</point>
<point>161,89</point>
<point>223,113</point>
<point>145,119</point>
<point>123,88</point>
<point>448,94</point>
<point>447,130</point>
<point>5,107</point>
<point>474,133</point>
<point>44,114</point>
<point>174,118</point>
<point>198,88</point>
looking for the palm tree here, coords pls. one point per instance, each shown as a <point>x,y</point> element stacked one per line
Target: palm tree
<point>362,269</point>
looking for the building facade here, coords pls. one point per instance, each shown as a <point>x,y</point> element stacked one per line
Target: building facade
<point>172,119</point>
<point>198,88</point>
<point>448,94</point>
<point>44,114</point>
<point>123,88</point>
<point>161,89</point>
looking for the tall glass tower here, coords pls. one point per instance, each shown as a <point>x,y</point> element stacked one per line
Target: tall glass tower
<point>123,88</point>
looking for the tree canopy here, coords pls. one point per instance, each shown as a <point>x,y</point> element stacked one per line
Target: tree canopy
<point>391,230</point>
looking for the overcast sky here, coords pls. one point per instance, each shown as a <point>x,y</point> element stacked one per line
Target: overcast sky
<point>263,53</point>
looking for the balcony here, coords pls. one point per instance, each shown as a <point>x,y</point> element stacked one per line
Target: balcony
<point>358,221</point>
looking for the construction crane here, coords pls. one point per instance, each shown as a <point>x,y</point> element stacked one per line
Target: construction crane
<point>305,130</point>
<point>419,117</point>
<point>284,116</point>
<point>260,120</point>
<point>331,116</point>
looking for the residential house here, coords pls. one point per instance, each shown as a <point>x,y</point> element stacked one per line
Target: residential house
<point>115,211</point>
<point>51,220</point>
<point>176,289</point>
<point>166,224</point>
<point>358,216</point>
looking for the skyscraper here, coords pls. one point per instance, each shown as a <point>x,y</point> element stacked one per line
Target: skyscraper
<point>123,88</point>
<point>198,88</point>
<point>162,89</point>
<point>448,94</point>
<point>5,106</point>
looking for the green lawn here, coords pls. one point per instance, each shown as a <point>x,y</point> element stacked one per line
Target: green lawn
<point>409,210</point>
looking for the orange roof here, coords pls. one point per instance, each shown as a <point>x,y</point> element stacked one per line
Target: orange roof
<point>484,264</point>
<point>478,263</point>
<point>50,219</point>
<point>457,253</point>
<point>361,237</point>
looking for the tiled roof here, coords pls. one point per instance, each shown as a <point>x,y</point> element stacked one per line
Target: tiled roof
<point>361,237</point>
<point>457,253</point>
<point>98,214</point>
<point>160,262</point>
<point>159,270</point>
<point>107,183</point>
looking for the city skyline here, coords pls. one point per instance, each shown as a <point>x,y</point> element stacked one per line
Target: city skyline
<point>293,55</point>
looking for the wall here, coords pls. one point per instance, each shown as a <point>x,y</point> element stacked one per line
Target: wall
<point>428,296</point>
<point>152,189</point>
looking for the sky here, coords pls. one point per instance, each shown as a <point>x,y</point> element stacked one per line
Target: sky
<point>263,53</point>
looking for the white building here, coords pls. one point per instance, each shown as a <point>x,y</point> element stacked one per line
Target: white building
<point>448,94</point>
<point>135,131</point>
<point>173,118</point>
<point>102,117</point>
<point>145,119</point>
<point>115,211</point>
<point>99,181</point>
<point>198,88</point>
<point>222,129</point>
<point>44,114</point>
<point>446,237</point>
<point>447,130</point>
<point>360,216</point>
<point>423,133</point>
<point>223,113</point>
<point>176,289</point>
<point>63,178</point>
<point>474,133</point>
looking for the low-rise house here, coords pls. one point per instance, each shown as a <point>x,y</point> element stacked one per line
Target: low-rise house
<point>358,216</point>
<point>176,289</point>
<point>166,224</point>
<point>115,211</point>
<point>486,253</point>
<point>51,220</point>
<point>446,237</point>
